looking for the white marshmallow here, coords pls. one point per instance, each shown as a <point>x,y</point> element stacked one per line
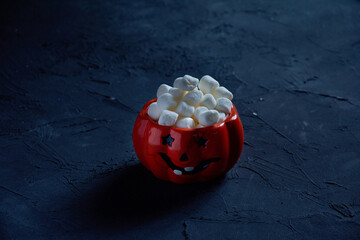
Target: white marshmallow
<point>185,109</point>
<point>185,123</point>
<point>209,117</point>
<point>164,88</point>
<point>193,97</point>
<point>168,118</point>
<point>208,101</point>
<point>192,80</point>
<point>223,105</point>
<point>166,101</point>
<point>198,111</point>
<point>177,93</point>
<point>154,111</point>
<point>223,92</point>
<point>186,83</point>
<point>222,116</point>
<point>207,84</point>
<point>191,103</point>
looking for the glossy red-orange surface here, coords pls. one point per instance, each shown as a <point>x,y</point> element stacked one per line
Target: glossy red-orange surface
<point>188,155</point>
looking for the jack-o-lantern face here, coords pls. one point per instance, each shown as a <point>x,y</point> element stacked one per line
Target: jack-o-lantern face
<point>187,155</point>
<point>193,166</point>
<point>189,163</point>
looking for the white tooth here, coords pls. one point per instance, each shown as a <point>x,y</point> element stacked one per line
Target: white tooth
<point>205,166</point>
<point>189,169</point>
<point>177,172</point>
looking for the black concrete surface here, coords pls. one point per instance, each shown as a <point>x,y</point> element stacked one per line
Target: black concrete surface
<point>74,75</point>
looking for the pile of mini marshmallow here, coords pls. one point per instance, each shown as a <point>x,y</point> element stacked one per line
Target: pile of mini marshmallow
<point>191,103</point>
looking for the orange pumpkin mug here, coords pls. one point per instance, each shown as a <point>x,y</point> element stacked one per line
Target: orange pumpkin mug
<point>191,155</point>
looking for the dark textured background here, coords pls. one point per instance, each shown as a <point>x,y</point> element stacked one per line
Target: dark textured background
<point>74,74</point>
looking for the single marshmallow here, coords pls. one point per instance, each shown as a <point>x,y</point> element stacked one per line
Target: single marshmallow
<point>164,88</point>
<point>193,97</point>
<point>198,111</point>
<point>223,105</point>
<point>154,111</point>
<point>185,109</point>
<point>208,118</point>
<point>208,101</point>
<point>177,93</point>
<point>186,83</point>
<point>223,92</point>
<point>222,116</point>
<point>207,84</point>
<point>168,118</point>
<point>192,80</point>
<point>185,123</point>
<point>166,101</point>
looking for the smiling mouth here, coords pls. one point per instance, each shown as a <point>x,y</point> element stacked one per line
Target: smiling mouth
<point>187,170</point>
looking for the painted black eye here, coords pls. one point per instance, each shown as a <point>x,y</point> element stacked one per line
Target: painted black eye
<point>201,142</point>
<point>167,140</point>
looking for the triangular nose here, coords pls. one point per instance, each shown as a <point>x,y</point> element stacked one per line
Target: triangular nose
<point>184,158</point>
